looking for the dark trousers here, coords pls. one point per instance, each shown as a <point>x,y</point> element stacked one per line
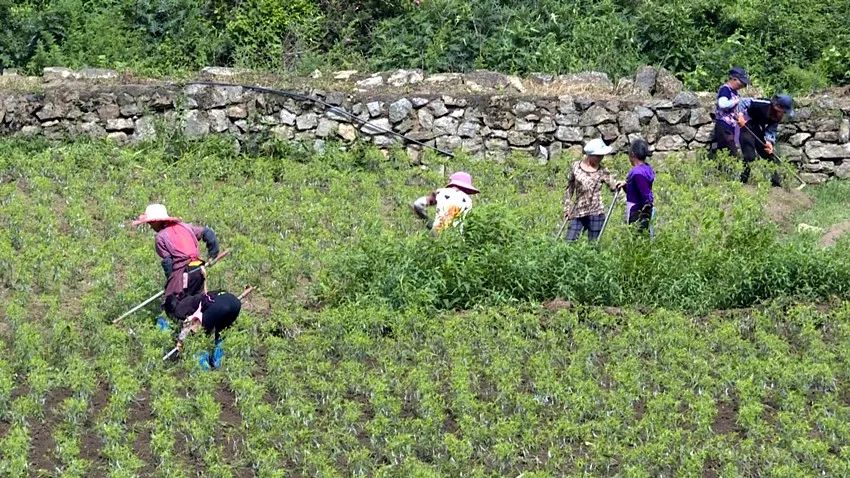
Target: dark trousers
<point>724,138</point>
<point>752,148</point>
<point>593,224</point>
<point>641,219</point>
<point>195,281</point>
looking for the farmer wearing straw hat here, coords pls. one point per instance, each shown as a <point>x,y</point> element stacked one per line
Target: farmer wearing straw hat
<point>759,121</point>
<point>177,244</point>
<point>583,199</point>
<point>726,129</point>
<point>452,202</point>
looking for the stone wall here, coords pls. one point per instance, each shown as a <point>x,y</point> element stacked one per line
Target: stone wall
<point>483,113</point>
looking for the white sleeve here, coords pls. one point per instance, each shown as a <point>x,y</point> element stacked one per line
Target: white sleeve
<point>421,203</point>
<point>726,103</point>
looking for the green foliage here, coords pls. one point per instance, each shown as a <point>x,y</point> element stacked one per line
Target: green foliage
<point>549,36</point>
<point>714,250</point>
<point>271,34</point>
<point>382,378</point>
<point>792,45</point>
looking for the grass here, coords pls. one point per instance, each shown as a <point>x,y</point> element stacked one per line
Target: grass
<point>363,388</point>
<point>831,203</point>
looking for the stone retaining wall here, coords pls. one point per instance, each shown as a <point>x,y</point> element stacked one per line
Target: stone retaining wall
<point>516,115</point>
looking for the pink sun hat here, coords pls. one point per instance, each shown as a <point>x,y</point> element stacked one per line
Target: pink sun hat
<point>155,213</point>
<point>463,181</point>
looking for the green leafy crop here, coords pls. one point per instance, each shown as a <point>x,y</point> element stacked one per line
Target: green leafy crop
<point>371,348</point>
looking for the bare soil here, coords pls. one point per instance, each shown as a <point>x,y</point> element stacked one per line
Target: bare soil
<point>229,435</point>
<point>725,420</point>
<point>91,443</point>
<point>140,415</point>
<point>43,453</point>
<point>834,233</point>
<point>257,304</point>
<point>783,205</point>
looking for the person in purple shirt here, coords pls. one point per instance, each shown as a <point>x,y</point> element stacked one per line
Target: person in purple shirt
<point>640,203</point>
<point>726,130</point>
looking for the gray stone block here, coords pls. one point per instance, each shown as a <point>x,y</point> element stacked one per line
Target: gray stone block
<point>306,121</point>
<point>400,109</point>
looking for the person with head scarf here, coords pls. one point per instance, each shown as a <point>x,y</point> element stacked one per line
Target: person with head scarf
<point>726,129</point>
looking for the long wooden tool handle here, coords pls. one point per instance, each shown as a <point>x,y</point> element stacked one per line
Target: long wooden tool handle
<point>146,302</point>
<point>169,354</point>
<point>610,210</point>
<point>561,229</point>
<point>213,262</point>
<point>795,173</point>
<point>246,292</point>
<point>221,255</point>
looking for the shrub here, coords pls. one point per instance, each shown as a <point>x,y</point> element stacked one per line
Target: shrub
<point>271,34</point>
<point>714,249</point>
<point>795,45</point>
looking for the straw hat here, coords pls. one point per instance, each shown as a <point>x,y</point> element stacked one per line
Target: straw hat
<point>155,213</point>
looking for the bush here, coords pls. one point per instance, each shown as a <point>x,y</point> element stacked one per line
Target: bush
<point>794,45</point>
<point>714,250</point>
<point>272,34</point>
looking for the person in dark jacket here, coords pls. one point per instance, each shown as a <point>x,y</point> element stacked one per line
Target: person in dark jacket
<point>726,127</point>
<point>177,245</point>
<point>759,121</point>
<point>213,312</point>
<point>640,203</point>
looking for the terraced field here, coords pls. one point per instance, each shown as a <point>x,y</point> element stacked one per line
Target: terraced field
<point>371,349</point>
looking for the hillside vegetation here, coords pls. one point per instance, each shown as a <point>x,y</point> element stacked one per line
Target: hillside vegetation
<point>797,45</point>
<point>372,349</point>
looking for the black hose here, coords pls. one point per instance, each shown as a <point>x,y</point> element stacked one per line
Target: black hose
<point>337,110</point>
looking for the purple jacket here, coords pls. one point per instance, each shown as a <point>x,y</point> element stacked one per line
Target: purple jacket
<point>639,187</point>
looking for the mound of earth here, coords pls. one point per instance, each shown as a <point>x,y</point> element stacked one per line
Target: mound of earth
<point>834,233</point>
<point>782,205</point>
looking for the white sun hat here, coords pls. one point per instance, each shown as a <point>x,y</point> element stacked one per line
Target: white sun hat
<point>155,213</point>
<point>597,147</point>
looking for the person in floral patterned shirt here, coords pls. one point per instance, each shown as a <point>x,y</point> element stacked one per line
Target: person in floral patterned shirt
<point>583,199</point>
<point>452,202</point>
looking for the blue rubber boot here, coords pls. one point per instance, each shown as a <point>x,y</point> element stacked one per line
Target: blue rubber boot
<point>162,323</point>
<point>204,360</point>
<point>218,354</point>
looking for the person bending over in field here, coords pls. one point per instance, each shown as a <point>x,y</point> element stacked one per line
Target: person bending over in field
<point>726,129</point>
<point>639,199</point>
<point>176,244</point>
<point>759,120</point>
<point>211,311</point>
<point>583,199</point>
<point>452,202</point>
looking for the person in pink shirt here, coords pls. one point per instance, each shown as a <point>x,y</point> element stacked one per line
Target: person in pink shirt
<point>176,243</point>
